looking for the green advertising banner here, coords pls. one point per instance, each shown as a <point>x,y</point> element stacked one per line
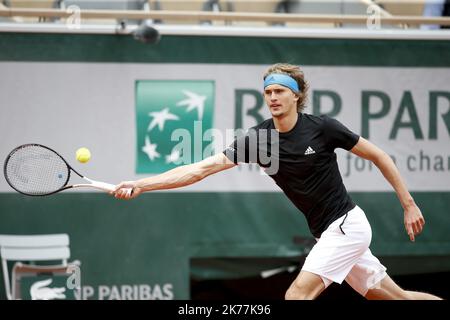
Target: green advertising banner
<point>168,114</point>
<point>44,287</point>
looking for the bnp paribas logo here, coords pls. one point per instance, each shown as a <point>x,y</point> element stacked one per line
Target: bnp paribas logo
<point>169,115</point>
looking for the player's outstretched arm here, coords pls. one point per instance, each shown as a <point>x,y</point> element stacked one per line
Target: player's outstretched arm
<point>413,219</point>
<point>175,178</point>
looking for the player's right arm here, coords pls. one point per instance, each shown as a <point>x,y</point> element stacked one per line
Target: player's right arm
<point>175,178</point>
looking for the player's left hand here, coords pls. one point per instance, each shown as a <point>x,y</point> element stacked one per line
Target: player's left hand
<point>414,221</point>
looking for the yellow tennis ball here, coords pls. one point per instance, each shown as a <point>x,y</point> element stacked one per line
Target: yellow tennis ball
<point>83,155</point>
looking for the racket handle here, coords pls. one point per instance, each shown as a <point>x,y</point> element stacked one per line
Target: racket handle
<point>105,186</point>
<point>129,191</point>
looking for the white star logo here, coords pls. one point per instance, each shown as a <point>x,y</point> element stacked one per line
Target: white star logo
<point>159,118</point>
<point>173,157</point>
<point>150,149</point>
<point>194,101</point>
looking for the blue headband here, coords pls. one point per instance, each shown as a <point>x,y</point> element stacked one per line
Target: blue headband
<point>281,79</point>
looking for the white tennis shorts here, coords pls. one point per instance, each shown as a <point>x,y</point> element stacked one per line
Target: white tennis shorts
<point>337,256</point>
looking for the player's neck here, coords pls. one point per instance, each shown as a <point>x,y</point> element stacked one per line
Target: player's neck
<point>286,122</point>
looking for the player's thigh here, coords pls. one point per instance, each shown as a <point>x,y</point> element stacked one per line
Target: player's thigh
<point>366,274</point>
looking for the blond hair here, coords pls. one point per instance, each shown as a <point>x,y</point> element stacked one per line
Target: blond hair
<point>294,72</point>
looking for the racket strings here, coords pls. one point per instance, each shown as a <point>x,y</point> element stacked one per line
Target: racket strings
<point>36,170</point>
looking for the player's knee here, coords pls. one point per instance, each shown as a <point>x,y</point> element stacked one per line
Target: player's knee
<point>298,292</point>
<point>406,295</point>
<point>389,294</point>
<point>289,295</point>
<point>292,294</point>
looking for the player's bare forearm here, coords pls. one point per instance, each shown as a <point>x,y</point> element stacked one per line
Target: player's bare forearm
<point>389,170</point>
<point>176,178</point>
<point>386,165</point>
<point>413,218</point>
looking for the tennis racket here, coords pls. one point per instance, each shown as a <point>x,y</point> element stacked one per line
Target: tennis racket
<point>37,170</point>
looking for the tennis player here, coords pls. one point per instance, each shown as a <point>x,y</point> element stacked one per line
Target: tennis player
<point>308,174</point>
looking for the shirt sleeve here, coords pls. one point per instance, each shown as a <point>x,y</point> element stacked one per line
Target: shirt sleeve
<point>234,151</point>
<point>338,135</point>
<point>242,148</point>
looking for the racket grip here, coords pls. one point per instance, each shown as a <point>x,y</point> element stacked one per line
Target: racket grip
<point>129,191</point>
<point>106,186</point>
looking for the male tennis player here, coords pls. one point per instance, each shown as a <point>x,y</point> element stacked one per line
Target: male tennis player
<point>308,174</point>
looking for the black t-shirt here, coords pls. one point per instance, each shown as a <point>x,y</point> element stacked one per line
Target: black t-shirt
<point>307,171</point>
